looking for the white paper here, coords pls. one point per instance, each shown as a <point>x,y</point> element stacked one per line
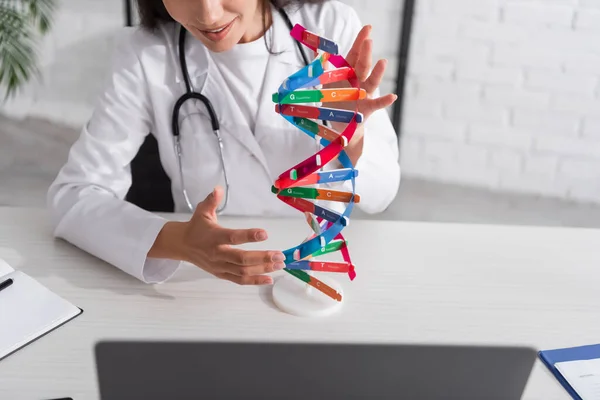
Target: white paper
<point>29,310</point>
<point>583,376</point>
<point>5,269</point>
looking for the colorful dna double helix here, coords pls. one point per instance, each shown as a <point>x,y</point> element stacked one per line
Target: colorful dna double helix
<point>290,185</point>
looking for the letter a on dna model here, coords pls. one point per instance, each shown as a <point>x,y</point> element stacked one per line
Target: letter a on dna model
<point>302,183</point>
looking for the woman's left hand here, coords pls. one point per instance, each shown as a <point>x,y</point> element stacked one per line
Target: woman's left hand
<point>360,57</point>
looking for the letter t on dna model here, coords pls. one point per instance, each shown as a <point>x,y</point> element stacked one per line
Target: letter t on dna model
<point>301,293</point>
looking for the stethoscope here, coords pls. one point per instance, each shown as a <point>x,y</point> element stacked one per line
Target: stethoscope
<point>191,94</point>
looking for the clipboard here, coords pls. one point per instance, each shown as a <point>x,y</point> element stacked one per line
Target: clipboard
<point>551,357</point>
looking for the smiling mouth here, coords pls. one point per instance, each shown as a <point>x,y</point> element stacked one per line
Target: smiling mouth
<point>218,30</point>
<point>219,34</point>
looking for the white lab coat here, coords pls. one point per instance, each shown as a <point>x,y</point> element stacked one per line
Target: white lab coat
<point>86,199</point>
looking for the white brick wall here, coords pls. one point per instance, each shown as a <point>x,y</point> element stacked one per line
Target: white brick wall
<point>501,94</point>
<point>517,83</point>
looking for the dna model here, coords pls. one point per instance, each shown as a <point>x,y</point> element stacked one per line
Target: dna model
<point>291,186</point>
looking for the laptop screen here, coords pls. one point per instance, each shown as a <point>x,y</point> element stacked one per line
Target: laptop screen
<point>200,370</point>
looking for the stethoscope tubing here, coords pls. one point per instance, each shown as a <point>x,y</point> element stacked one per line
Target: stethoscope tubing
<point>191,94</point>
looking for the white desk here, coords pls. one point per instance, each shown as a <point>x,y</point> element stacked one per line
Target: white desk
<point>434,283</point>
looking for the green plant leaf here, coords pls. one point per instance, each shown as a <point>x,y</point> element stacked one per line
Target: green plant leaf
<point>41,12</point>
<point>20,20</point>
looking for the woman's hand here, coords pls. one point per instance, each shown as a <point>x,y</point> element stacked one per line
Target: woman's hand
<point>360,57</point>
<point>202,242</point>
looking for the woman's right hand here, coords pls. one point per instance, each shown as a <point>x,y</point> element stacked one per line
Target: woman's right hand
<point>204,243</point>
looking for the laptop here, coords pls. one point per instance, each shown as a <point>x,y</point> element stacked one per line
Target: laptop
<point>131,370</point>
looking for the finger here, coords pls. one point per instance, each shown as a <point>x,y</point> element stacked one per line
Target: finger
<point>374,80</point>
<point>208,207</point>
<point>240,236</point>
<point>246,280</point>
<point>365,61</point>
<point>252,270</point>
<point>371,105</point>
<point>354,52</point>
<point>245,257</point>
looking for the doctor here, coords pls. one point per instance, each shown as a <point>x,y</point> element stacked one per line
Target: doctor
<point>236,54</point>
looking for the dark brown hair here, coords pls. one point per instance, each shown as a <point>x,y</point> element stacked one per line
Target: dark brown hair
<point>153,12</point>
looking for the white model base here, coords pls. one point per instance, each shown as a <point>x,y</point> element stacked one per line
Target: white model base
<point>295,297</point>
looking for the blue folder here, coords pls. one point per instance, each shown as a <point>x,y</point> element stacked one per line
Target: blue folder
<point>551,357</point>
